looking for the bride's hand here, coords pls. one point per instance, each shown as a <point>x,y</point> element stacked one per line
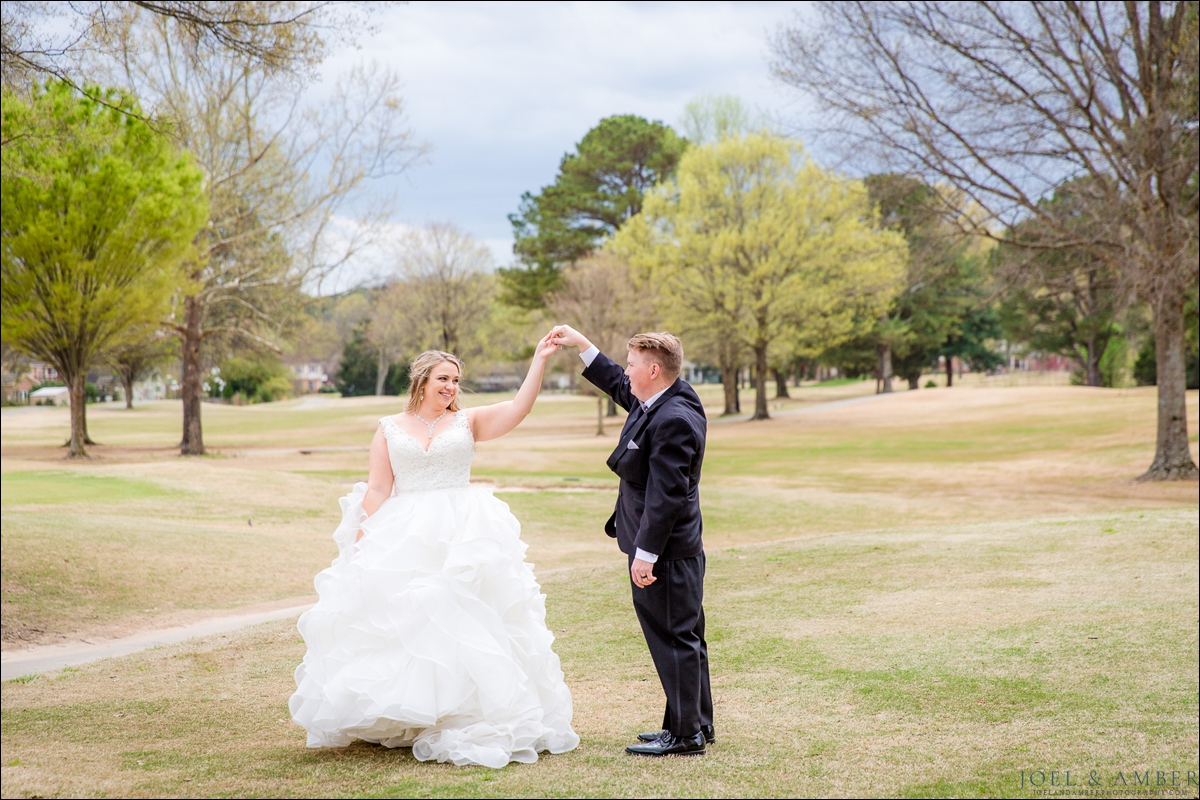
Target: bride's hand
<point>547,347</point>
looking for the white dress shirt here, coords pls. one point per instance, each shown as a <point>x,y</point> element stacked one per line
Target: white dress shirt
<point>588,357</point>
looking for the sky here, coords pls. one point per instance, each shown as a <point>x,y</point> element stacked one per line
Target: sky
<point>502,90</point>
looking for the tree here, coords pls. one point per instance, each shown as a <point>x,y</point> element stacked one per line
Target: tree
<point>391,329</point>
<point>98,214</point>
<point>1061,300</point>
<point>755,242</point>
<point>713,117</point>
<point>707,119</point>
<point>449,286</point>
<point>599,295</point>
<point>137,358</point>
<point>280,178</point>
<point>969,342</point>
<point>51,41</point>
<point>598,187</point>
<point>944,282</point>
<point>1145,370</point>
<point>358,370</point>
<point>1005,101</point>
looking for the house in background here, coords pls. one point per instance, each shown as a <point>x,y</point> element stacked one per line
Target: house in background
<point>51,395</point>
<point>18,384</point>
<point>309,377</point>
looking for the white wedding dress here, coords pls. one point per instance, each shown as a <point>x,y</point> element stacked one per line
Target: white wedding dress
<point>431,631</point>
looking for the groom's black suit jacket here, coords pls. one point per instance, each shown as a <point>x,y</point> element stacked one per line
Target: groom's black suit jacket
<point>658,505</point>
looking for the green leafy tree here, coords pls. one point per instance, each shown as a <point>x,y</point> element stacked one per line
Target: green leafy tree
<point>98,213</point>
<point>598,188</point>
<point>1063,299</point>
<point>755,242</point>
<point>972,342</point>
<point>941,279</point>
<point>359,367</point>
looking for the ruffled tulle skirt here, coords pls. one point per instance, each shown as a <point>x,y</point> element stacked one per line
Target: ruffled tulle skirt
<point>431,633</point>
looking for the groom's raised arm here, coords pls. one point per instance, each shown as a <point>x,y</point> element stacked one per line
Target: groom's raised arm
<point>607,376</point>
<point>600,370</point>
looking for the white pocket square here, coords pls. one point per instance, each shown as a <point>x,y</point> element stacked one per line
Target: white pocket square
<point>632,445</point>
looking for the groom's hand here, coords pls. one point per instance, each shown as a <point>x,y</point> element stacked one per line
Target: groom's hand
<point>642,573</point>
<point>566,336</point>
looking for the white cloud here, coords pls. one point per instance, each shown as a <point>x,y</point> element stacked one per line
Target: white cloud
<point>502,90</point>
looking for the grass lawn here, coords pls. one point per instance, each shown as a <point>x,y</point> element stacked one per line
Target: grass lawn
<point>922,595</point>
<point>923,661</point>
<point>140,537</point>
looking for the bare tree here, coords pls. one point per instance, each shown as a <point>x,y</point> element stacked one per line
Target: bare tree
<point>135,360</point>
<point>40,40</point>
<point>283,180</point>
<point>1008,100</point>
<point>598,295</point>
<point>447,275</point>
<point>393,327</point>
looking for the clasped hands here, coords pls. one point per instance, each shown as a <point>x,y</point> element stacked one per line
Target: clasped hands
<point>566,336</point>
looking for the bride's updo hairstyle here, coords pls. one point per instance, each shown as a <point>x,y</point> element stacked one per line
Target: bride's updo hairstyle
<point>418,376</point>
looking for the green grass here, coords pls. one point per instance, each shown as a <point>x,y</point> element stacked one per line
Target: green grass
<point>918,662</point>
<point>56,487</point>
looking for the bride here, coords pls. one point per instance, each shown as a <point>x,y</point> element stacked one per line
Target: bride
<point>430,628</point>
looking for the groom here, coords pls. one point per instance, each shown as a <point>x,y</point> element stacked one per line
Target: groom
<point>657,524</point>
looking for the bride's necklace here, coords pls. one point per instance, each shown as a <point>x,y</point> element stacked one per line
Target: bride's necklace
<point>431,425</point>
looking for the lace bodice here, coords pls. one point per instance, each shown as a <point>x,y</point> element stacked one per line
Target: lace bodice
<point>446,465</point>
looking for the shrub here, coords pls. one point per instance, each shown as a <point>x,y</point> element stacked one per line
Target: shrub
<point>260,380</point>
<point>930,384</point>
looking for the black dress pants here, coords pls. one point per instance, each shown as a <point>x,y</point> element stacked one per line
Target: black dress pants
<point>671,613</point>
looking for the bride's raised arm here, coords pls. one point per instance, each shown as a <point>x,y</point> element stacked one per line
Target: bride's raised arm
<point>492,422</point>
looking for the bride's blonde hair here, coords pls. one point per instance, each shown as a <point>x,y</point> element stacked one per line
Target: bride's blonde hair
<point>418,376</point>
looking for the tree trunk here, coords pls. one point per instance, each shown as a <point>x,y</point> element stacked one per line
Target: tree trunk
<point>75,389</point>
<point>127,382</point>
<point>611,410</point>
<point>949,371</point>
<point>885,369</point>
<point>730,376</point>
<point>1092,368</point>
<point>600,404</point>
<point>381,368</point>
<point>1172,458</point>
<point>87,437</point>
<point>914,383</point>
<point>781,391</point>
<point>760,382</point>
<point>191,384</point>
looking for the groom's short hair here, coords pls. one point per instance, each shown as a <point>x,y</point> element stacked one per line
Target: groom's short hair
<point>663,348</point>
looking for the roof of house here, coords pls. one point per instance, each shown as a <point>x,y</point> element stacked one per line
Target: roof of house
<point>50,391</point>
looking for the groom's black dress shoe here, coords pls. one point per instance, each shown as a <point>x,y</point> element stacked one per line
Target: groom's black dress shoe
<point>670,745</point>
<point>710,735</point>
